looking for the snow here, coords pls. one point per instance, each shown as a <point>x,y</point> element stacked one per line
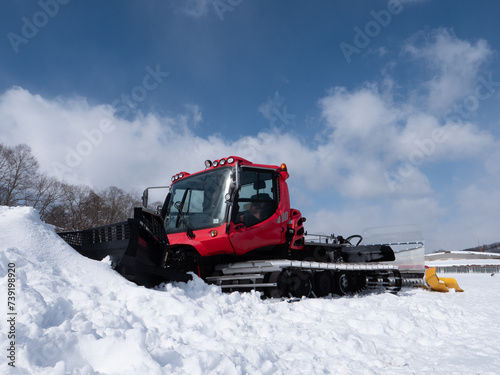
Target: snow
<point>78,316</point>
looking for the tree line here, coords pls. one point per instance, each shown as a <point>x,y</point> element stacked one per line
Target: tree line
<point>491,248</point>
<point>67,207</point>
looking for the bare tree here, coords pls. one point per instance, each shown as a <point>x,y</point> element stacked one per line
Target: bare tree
<point>80,207</point>
<point>4,173</point>
<point>46,191</point>
<point>117,205</point>
<point>68,207</point>
<point>94,210</point>
<point>71,211</point>
<point>17,170</point>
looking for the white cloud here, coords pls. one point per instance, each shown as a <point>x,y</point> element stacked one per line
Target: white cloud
<point>90,145</point>
<point>272,104</point>
<point>424,135</point>
<point>371,150</point>
<point>359,115</point>
<point>493,163</point>
<point>351,160</point>
<point>192,8</point>
<point>407,2</point>
<point>456,63</point>
<point>424,212</point>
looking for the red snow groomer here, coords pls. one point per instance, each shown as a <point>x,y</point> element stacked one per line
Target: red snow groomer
<point>232,225</point>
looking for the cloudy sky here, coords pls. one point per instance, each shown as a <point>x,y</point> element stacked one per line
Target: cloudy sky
<point>386,112</point>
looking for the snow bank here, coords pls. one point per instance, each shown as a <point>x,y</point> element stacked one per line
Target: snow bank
<point>77,316</point>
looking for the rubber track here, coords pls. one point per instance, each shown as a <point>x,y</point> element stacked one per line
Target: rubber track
<point>252,274</point>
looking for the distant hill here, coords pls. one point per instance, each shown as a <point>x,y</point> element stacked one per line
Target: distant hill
<point>492,248</point>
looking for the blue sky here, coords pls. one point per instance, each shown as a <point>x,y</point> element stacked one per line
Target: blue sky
<point>385,111</point>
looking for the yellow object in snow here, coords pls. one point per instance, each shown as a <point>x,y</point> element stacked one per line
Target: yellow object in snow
<point>440,284</point>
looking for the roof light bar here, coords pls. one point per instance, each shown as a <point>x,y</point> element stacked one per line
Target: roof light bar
<point>219,163</point>
<point>179,175</point>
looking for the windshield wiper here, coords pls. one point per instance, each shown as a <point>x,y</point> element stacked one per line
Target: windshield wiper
<point>180,207</point>
<point>182,217</point>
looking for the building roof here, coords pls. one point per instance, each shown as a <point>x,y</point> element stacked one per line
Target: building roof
<point>462,258</point>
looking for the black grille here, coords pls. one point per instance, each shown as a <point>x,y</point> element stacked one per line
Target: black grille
<point>107,233</point>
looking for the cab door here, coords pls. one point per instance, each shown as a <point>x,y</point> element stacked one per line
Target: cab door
<point>255,217</point>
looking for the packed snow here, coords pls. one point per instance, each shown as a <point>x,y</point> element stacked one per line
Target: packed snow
<point>78,316</point>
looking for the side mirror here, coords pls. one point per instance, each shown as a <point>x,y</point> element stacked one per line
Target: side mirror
<point>145,198</point>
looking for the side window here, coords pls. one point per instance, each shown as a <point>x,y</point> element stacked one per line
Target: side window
<point>257,199</point>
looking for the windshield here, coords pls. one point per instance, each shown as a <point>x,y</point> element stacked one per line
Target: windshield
<point>198,202</point>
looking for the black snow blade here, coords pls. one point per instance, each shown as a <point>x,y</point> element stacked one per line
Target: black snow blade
<point>136,248</point>
<point>151,275</point>
<point>97,243</point>
<point>165,274</point>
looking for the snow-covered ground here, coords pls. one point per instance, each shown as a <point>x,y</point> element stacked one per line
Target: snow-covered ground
<point>77,316</point>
